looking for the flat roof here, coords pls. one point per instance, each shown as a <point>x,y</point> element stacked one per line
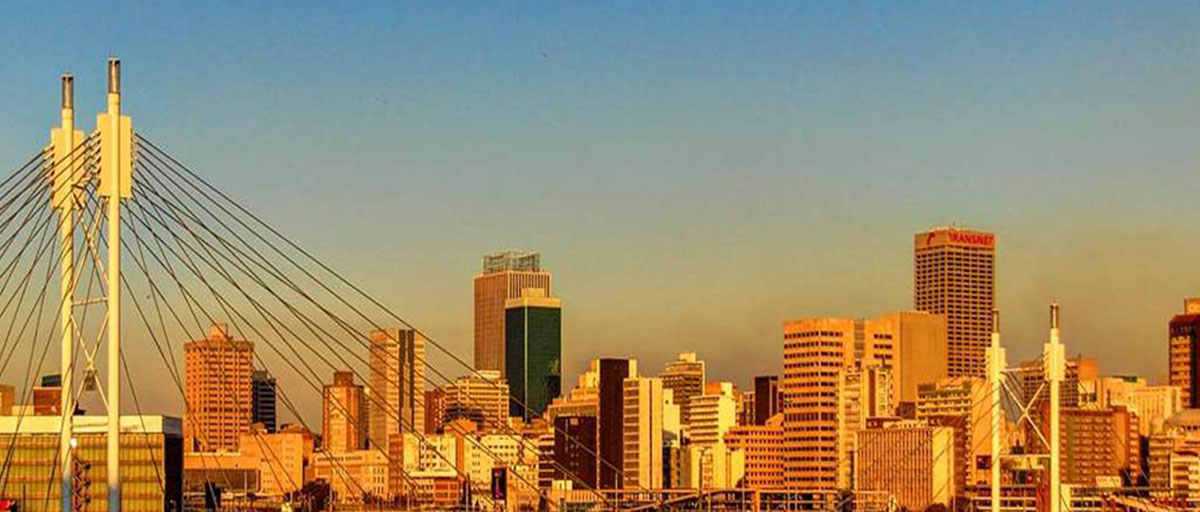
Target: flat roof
<point>149,424</point>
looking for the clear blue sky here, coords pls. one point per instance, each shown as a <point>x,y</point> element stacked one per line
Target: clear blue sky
<point>693,172</point>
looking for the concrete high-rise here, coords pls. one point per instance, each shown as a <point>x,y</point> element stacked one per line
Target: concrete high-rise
<point>962,404</point>
<point>685,377</point>
<point>815,352</point>
<point>343,422</point>
<point>954,275</point>
<point>708,462</point>
<point>217,375</point>
<point>611,420</point>
<point>863,393</point>
<point>713,414</point>
<point>397,384</point>
<point>575,450</point>
<point>766,398</point>
<point>481,397</point>
<point>921,351</point>
<point>533,352</point>
<point>262,410</point>
<point>649,414</point>
<point>504,276</point>
<point>1184,353</point>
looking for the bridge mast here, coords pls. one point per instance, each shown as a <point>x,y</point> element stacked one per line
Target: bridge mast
<point>996,364</point>
<point>116,173</point>
<point>63,197</point>
<point>1055,365</point>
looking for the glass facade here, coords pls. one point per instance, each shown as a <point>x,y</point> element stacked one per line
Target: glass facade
<point>533,353</point>
<point>151,471</point>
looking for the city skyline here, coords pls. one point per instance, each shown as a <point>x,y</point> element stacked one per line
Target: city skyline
<point>611,257</point>
<point>811,182</point>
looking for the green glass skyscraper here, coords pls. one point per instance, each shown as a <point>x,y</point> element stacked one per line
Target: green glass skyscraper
<point>533,351</point>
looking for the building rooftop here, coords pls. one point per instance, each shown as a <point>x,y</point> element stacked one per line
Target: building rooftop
<point>530,261</point>
<point>1187,419</point>
<point>90,424</point>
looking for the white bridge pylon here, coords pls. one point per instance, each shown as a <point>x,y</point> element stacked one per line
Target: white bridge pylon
<point>112,175</point>
<point>1054,370</point>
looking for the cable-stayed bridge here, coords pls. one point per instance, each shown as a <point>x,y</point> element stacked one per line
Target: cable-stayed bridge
<point>111,246</point>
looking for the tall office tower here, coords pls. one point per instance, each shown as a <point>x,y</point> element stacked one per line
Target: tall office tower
<point>963,404</point>
<point>533,352</point>
<point>862,394</point>
<point>1184,354</point>
<point>685,377</point>
<point>504,276</point>
<point>713,414</point>
<point>921,351</point>
<point>342,421</point>
<point>575,450</point>
<point>397,384</point>
<point>649,413</point>
<point>912,461</point>
<point>815,350</point>
<point>611,419</point>
<point>766,398</point>
<point>262,410</point>
<point>763,446</point>
<point>481,398</point>
<point>218,389</point>
<point>708,461</point>
<point>954,275</point>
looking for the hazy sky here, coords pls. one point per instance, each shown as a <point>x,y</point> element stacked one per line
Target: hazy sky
<point>693,173</point>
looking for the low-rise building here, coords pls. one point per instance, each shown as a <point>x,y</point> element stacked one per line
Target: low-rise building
<point>151,461</point>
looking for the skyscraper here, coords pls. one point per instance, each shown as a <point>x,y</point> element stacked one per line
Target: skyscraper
<point>217,375</point>
<point>815,352</point>
<point>611,419</point>
<point>343,422</point>
<point>766,398</point>
<point>685,377</point>
<point>533,351</point>
<point>921,351</point>
<point>397,384</point>
<point>262,410</point>
<point>1184,354</point>
<point>504,276</point>
<point>649,416</point>
<point>954,275</point>
<point>706,460</point>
